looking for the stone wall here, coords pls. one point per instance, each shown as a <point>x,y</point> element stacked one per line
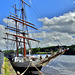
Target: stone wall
<point>1,60</point>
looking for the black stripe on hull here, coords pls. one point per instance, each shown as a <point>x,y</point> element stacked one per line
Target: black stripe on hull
<point>30,71</point>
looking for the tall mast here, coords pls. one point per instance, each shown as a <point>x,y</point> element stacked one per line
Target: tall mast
<point>23,28</point>
<point>16,32</point>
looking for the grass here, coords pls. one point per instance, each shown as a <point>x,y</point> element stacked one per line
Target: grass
<point>6,67</point>
<point>42,52</point>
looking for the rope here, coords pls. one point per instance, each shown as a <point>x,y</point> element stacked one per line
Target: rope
<point>37,69</point>
<point>12,45</point>
<point>33,66</point>
<point>26,69</point>
<point>36,10</point>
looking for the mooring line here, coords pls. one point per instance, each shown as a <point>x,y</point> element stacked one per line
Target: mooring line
<point>26,69</point>
<point>37,69</point>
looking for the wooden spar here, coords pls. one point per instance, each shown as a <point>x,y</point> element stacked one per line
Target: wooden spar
<point>13,40</point>
<point>23,37</point>
<point>12,29</point>
<point>14,14</point>
<point>16,30</point>
<point>15,8</point>
<point>25,3</point>
<point>22,23</point>
<point>22,20</point>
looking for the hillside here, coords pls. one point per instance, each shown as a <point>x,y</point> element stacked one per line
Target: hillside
<point>45,50</point>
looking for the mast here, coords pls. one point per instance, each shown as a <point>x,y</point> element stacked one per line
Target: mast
<point>23,29</point>
<point>16,32</point>
<point>23,26</point>
<point>20,30</point>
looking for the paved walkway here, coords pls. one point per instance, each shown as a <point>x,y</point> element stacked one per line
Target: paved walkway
<point>1,62</point>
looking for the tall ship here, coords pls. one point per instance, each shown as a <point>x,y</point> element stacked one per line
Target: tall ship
<point>26,64</point>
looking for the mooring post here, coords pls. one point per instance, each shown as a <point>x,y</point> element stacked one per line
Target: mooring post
<point>18,73</point>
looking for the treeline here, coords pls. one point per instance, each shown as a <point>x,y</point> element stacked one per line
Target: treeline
<point>71,50</point>
<point>45,50</point>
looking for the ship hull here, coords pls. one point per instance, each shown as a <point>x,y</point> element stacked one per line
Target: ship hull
<point>21,67</point>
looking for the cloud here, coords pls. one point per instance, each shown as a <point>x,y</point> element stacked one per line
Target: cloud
<point>73,1</point>
<point>64,23</point>
<point>30,1</point>
<point>54,30</point>
<point>60,28</point>
<point>10,22</point>
<point>2,35</point>
<point>4,43</point>
<point>53,38</point>
<point>8,43</point>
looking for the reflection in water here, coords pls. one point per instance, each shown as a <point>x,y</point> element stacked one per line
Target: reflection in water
<point>64,65</point>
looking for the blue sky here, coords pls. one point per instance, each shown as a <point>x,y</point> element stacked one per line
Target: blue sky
<point>39,9</point>
<point>55,19</point>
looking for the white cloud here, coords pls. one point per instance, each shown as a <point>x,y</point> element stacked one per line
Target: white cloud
<point>73,1</point>
<point>57,29</point>
<point>2,35</point>
<point>53,38</point>
<point>4,43</point>
<point>30,1</point>
<point>62,28</point>
<point>10,22</point>
<point>64,23</point>
<point>64,19</point>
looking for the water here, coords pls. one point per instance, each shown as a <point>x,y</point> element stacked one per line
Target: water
<point>63,65</point>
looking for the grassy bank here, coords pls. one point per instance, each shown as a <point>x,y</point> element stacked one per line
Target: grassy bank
<point>6,67</point>
<point>8,70</point>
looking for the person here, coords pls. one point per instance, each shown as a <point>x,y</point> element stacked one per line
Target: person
<point>46,56</point>
<point>52,52</point>
<point>40,57</point>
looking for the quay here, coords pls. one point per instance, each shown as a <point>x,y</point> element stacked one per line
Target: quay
<point>1,60</point>
<point>7,68</point>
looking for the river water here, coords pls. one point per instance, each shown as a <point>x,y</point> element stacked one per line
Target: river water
<point>62,65</point>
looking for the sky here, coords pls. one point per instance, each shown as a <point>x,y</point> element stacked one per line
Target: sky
<point>55,20</point>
